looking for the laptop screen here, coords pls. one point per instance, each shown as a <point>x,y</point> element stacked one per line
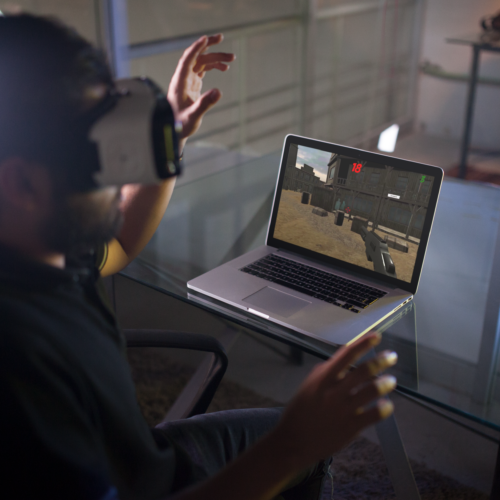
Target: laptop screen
<point>361,212</point>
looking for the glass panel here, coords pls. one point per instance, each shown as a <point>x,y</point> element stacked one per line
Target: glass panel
<point>157,19</point>
<point>362,69</point>
<point>360,65</point>
<point>260,105</point>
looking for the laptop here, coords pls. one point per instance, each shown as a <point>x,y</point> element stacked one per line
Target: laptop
<point>345,244</point>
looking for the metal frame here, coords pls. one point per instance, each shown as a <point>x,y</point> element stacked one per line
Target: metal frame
<point>113,34</point>
<point>469,113</point>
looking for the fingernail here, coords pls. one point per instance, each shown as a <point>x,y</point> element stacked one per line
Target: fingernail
<point>376,338</point>
<point>386,384</point>
<point>383,361</point>
<point>214,94</point>
<point>385,407</point>
<point>389,358</point>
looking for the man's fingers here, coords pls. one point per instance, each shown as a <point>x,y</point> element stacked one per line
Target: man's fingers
<point>214,57</point>
<point>195,112</point>
<point>347,355</point>
<point>212,60</point>
<point>371,391</point>
<point>215,39</point>
<point>208,67</point>
<point>370,369</point>
<point>206,101</point>
<point>193,51</point>
<point>381,411</point>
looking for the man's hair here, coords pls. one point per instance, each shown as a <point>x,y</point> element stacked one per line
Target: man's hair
<point>45,68</point>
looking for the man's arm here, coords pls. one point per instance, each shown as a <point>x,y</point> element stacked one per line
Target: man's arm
<point>143,206</point>
<point>332,406</point>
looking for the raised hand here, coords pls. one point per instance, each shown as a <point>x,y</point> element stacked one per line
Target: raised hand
<point>184,91</point>
<point>335,403</point>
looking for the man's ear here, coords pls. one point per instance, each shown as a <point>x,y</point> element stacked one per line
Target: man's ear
<point>24,184</point>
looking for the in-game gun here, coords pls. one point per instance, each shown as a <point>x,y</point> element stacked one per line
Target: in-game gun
<point>377,252</point>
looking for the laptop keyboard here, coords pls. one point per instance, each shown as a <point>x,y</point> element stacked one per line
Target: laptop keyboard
<point>328,287</point>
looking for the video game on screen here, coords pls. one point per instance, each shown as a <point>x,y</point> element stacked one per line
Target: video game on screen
<point>367,214</point>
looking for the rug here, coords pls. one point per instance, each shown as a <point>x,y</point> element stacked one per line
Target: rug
<point>359,471</point>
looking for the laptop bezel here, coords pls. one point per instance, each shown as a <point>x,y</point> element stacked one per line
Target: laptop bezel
<point>361,155</point>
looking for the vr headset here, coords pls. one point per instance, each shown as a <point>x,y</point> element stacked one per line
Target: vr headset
<point>130,137</point>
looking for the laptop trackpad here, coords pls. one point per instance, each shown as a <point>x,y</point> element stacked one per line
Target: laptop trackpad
<point>276,302</point>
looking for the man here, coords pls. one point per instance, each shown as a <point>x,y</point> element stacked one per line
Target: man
<point>71,427</point>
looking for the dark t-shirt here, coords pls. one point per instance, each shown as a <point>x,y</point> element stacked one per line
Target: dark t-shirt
<point>70,425</point>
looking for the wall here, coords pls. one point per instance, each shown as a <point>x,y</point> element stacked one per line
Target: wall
<point>441,103</point>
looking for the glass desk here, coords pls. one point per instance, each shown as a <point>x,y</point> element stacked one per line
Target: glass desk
<point>446,339</point>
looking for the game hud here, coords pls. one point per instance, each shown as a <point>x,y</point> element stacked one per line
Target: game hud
<point>367,214</point>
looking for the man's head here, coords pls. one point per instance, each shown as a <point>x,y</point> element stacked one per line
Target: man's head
<point>49,76</point>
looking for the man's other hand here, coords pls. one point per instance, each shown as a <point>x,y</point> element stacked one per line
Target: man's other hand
<point>184,91</point>
<point>336,402</point>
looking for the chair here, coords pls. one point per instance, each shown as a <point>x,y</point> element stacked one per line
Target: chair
<point>199,391</point>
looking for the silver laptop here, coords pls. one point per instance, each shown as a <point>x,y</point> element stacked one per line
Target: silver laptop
<point>345,244</point>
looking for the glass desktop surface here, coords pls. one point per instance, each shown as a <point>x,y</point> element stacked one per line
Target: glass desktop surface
<point>438,337</point>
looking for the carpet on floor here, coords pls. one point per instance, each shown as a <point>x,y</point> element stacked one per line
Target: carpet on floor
<point>359,471</point>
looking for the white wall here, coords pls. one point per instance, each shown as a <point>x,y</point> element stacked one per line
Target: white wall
<point>441,103</point>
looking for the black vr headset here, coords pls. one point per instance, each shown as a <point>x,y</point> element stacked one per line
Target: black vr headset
<point>130,137</point>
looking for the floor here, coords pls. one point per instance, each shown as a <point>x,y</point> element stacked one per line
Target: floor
<point>264,365</point>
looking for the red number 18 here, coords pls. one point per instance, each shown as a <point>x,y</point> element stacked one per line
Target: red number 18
<point>356,167</point>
